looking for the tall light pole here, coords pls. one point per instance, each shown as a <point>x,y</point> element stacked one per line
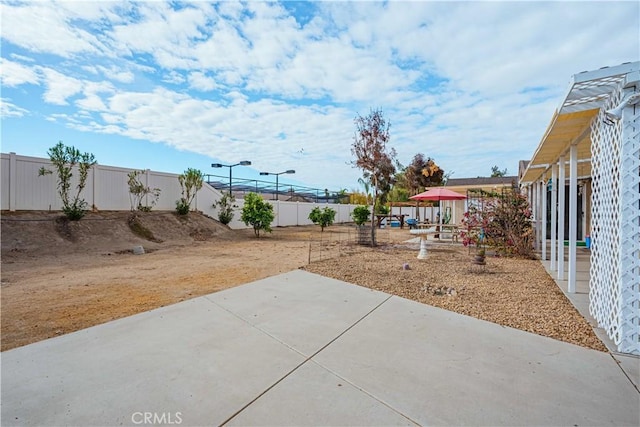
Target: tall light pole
<point>220,165</point>
<point>277,176</point>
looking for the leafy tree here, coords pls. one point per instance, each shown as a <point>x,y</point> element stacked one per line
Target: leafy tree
<point>360,214</point>
<point>398,194</point>
<point>257,213</point>
<point>496,172</point>
<point>366,185</point>
<point>226,205</point>
<point>138,191</point>
<point>381,208</point>
<point>421,173</point>
<point>372,155</point>
<point>323,217</point>
<point>64,160</point>
<point>358,198</point>
<point>190,182</point>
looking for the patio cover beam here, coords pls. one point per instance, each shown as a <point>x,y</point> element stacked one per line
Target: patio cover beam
<point>586,94</point>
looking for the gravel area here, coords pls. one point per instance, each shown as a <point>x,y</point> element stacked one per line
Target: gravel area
<point>511,292</point>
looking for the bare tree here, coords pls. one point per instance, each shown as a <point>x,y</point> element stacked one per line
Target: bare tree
<point>372,155</point>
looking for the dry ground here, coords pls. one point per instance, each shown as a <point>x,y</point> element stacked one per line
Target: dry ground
<point>60,277</point>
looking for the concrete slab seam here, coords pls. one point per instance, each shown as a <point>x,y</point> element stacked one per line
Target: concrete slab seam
<point>258,328</point>
<point>613,356</point>
<point>301,363</point>
<point>374,397</point>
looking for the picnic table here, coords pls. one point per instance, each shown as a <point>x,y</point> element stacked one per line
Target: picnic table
<point>399,217</point>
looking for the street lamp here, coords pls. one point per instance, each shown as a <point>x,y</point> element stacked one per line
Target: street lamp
<point>277,176</point>
<point>220,165</point>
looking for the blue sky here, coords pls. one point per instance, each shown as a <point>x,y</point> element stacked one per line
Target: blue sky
<point>167,86</point>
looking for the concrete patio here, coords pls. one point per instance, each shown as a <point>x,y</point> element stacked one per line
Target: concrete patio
<point>580,300</point>
<point>301,349</point>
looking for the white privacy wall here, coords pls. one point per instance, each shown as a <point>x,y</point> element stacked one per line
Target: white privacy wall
<point>106,189</point>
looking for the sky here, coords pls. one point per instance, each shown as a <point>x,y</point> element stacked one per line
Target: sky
<point>170,86</point>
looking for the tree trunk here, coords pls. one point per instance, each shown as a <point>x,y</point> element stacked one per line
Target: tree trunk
<point>373,212</point>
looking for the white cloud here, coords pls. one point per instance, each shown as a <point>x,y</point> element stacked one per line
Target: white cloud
<point>229,131</point>
<point>59,87</point>
<point>201,82</point>
<point>44,28</point>
<point>162,32</point>
<point>22,58</point>
<point>9,109</point>
<point>16,74</point>
<point>471,84</point>
<point>173,77</point>
<point>116,74</point>
<point>92,91</point>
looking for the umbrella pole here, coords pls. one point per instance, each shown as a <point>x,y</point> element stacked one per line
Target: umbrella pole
<point>439,219</point>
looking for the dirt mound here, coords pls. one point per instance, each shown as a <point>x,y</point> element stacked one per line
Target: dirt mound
<point>49,233</point>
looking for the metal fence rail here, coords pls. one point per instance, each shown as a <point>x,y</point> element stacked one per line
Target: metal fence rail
<point>286,192</point>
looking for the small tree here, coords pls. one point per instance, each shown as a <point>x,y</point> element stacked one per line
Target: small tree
<point>225,207</point>
<point>190,182</point>
<point>360,214</point>
<point>358,198</point>
<point>496,172</point>
<point>64,160</point>
<point>421,173</point>
<point>510,230</point>
<point>257,213</point>
<point>138,191</point>
<point>381,208</point>
<point>504,223</point>
<point>323,217</point>
<point>372,156</point>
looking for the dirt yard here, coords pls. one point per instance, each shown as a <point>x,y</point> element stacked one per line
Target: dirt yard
<point>58,277</point>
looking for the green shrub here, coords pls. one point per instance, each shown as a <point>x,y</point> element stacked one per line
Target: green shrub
<point>382,209</point>
<point>64,159</point>
<point>138,191</point>
<point>360,214</point>
<point>323,217</point>
<point>190,182</point>
<point>257,213</point>
<point>182,207</point>
<point>226,205</point>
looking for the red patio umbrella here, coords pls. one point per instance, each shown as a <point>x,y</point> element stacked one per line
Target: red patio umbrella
<point>438,194</point>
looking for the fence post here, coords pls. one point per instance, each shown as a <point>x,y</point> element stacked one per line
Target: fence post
<point>146,183</point>
<point>13,173</point>
<point>93,188</point>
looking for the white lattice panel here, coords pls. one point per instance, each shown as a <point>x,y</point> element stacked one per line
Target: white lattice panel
<point>630,232</point>
<point>615,252</point>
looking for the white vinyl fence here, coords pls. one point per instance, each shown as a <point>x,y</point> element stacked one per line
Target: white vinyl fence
<point>107,189</point>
